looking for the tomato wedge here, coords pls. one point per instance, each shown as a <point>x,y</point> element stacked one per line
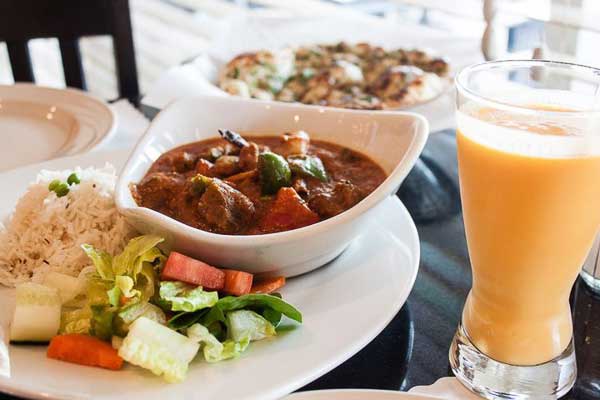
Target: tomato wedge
<point>186,269</point>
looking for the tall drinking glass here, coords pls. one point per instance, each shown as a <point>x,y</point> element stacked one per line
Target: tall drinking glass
<point>528,144</point>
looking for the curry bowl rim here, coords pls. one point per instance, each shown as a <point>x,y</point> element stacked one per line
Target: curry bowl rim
<point>127,205</point>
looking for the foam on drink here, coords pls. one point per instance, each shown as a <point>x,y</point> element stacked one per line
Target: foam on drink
<point>531,135</point>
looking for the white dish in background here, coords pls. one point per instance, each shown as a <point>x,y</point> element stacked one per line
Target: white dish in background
<point>448,388</point>
<point>261,29</point>
<point>356,394</point>
<point>41,123</point>
<point>345,305</point>
<point>393,140</point>
<point>253,32</point>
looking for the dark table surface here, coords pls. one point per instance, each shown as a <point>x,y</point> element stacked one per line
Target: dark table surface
<point>413,348</point>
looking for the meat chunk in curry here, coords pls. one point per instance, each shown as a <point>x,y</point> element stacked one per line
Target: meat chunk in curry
<point>224,208</point>
<point>258,184</point>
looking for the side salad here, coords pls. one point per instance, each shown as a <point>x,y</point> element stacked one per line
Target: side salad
<point>150,310</point>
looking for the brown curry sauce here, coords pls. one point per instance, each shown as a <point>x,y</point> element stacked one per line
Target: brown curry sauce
<point>238,207</point>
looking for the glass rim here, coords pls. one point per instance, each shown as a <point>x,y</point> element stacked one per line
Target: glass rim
<point>462,87</point>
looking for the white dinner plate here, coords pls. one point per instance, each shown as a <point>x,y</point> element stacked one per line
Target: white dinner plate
<point>40,123</point>
<point>357,394</point>
<point>345,305</point>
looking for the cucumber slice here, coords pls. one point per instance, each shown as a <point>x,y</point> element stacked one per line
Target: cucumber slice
<point>68,287</point>
<point>37,313</point>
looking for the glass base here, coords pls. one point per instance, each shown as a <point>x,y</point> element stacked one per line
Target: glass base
<point>492,379</point>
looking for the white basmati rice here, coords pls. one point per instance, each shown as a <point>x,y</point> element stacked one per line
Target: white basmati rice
<point>45,232</point>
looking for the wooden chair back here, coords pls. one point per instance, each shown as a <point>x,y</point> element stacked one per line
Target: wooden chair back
<point>69,20</point>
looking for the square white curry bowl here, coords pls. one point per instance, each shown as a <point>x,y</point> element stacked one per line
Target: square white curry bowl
<point>394,140</point>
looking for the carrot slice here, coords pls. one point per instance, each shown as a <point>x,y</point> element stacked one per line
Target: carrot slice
<point>84,350</point>
<point>237,283</point>
<point>189,270</point>
<point>287,212</point>
<point>268,285</point>
<point>123,300</point>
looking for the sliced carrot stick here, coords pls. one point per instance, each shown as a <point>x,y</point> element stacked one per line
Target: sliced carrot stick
<point>237,283</point>
<point>268,285</point>
<point>84,350</point>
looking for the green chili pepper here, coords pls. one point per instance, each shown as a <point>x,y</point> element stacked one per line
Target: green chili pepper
<point>274,172</point>
<point>308,166</point>
<point>73,179</point>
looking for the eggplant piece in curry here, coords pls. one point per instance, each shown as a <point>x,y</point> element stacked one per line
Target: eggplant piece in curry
<point>257,185</point>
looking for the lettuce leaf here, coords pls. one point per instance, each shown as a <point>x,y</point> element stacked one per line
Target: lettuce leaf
<point>124,270</point>
<point>139,250</point>
<point>114,296</point>
<point>102,321</point>
<point>246,324</point>
<point>184,297</point>
<point>129,275</point>
<point>274,317</point>
<point>76,321</point>
<point>146,281</point>
<point>125,286</point>
<point>127,315</point>
<point>102,261</point>
<point>269,306</point>
<point>184,319</point>
<point>212,349</point>
<point>215,314</point>
<point>259,302</point>
<point>98,291</point>
<point>126,283</point>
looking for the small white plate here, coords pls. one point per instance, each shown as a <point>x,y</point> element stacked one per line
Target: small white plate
<point>357,394</point>
<point>448,388</point>
<point>39,123</point>
<point>345,305</point>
